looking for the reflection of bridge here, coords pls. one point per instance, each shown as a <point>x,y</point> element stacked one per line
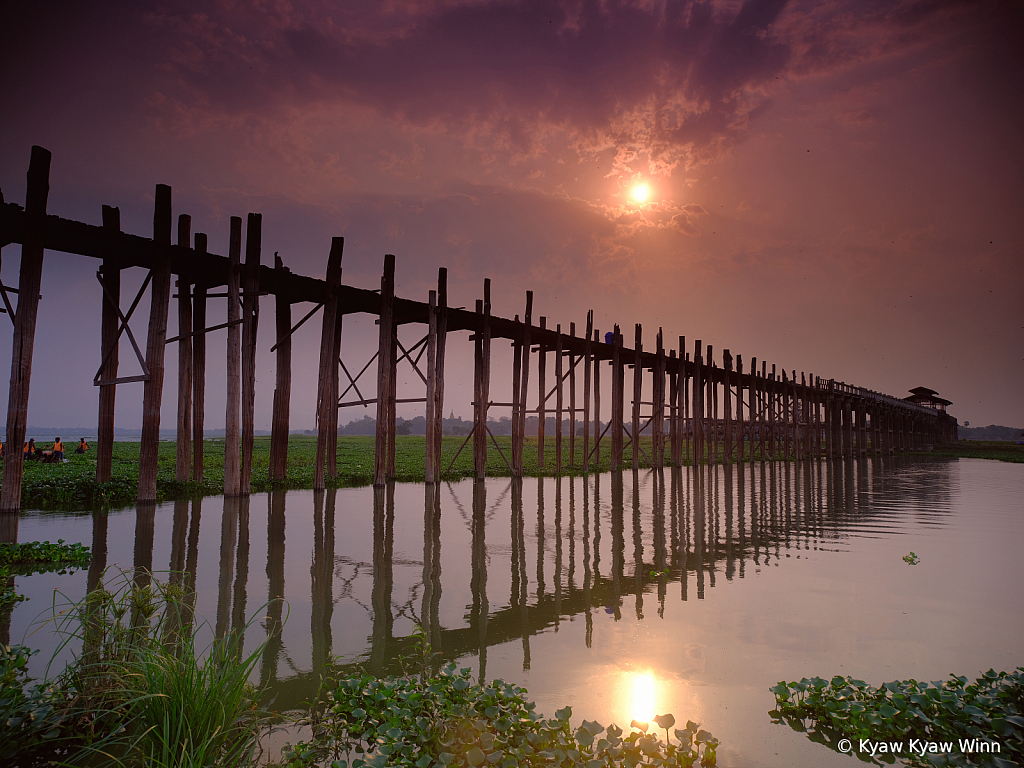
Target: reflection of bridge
<point>780,415</point>
<point>702,526</point>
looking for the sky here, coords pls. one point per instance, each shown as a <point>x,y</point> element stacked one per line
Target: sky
<point>834,187</point>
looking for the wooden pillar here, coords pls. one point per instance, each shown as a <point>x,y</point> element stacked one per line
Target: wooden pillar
<point>250,319</point>
<point>862,427</point>
<point>558,399</point>
<point>727,404</point>
<point>483,396</point>
<point>658,409</point>
<point>234,364</point>
<point>752,406</point>
<point>541,395</point>
<point>38,188</point>
<point>847,427</point>
<point>698,403</point>
<point>712,397</point>
<point>387,308</point>
<point>617,404</point>
<point>392,403</point>
<point>597,405</point>
<point>771,398</point>
<point>110,274</point>
<point>328,363</point>
<point>283,384</point>
<point>160,299</point>
<point>684,397</point>
<point>638,379</point>
<point>588,364</point>
<point>673,408</point>
<point>787,415</point>
<point>572,398</point>
<point>183,457</point>
<point>740,447</point>
<point>517,377</point>
<point>198,367</point>
<point>442,335</point>
<point>524,380</point>
<point>430,466</point>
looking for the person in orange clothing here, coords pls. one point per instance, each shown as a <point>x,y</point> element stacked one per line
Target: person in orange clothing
<point>82,446</point>
<point>29,451</point>
<point>58,450</point>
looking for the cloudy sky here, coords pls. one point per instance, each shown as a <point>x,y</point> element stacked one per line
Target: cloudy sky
<point>835,187</point>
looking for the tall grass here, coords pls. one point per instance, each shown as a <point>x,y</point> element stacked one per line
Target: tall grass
<point>140,693</point>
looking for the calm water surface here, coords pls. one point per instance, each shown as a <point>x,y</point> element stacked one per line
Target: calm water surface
<point>625,597</point>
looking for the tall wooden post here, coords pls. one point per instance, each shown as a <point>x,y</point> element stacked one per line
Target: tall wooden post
<point>525,379</point>
<point>597,405</point>
<point>384,352</point>
<point>442,335</point>
<point>638,379</point>
<point>328,364</point>
<point>617,400</point>
<point>480,437</point>
<point>160,299</point>
<point>572,398</point>
<point>658,409</point>
<point>430,467</point>
<point>110,274</point>
<point>232,480</point>
<point>698,403</point>
<point>183,457</point>
<point>673,407</point>
<point>588,363</point>
<point>558,399</point>
<point>771,395</point>
<point>250,319</point>
<point>392,403</point>
<point>727,404</point>
<point>787,415</point>
<point>542,395</point>
<point>517,377</point>
<point>740,444</point>
<point>754,427</point>
<point>847,427</point>
<point>862,427</point>
<point>283,383</point>
<point>198,368</point>
<point>38,188</point>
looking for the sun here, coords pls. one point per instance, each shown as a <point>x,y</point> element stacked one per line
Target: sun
<point>640,192</point>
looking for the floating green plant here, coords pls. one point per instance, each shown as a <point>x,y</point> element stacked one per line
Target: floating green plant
<point>911,559</point>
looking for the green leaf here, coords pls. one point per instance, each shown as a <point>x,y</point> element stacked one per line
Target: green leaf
<point>665,721</point>
<point>564,714</point>
<point>476,756</point>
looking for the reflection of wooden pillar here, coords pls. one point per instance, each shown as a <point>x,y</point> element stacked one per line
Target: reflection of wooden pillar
<point>275,585</point>
<point>110,274</point>
<point>380,596</point>
<point>322,578</point>
<point>387,307</point>
<point>232,478</point>
<point>478,580</point>
<point>228,542</point>
<point>25,331</point>
<point>198,367</point>
<point>160,297</point>
<point>239,593</point>
<point>283,383</point>
<point>183,456</point>
<point>432,565</point>
<point>327,373</point>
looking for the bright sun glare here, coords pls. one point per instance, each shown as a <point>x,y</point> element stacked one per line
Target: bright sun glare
<point>640,192</point>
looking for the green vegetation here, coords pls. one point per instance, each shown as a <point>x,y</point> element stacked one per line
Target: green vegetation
<point>941,712</point>
<point>982,449</point>
<point>446,720</point>
<point>137,694</point>
<point>35,557</point>
<point>911,559</point>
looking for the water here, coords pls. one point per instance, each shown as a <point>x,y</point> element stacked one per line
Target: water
<point>774,572</point>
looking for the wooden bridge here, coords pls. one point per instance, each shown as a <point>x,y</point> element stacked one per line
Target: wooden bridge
<point>700,410</point>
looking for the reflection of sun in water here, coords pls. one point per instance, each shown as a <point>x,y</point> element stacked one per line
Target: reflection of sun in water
<point>640,192</point>
<point>643,696</point>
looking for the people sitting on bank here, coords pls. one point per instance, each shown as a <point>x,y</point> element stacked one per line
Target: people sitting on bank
<point>82,446</point>
<point>29,451</point>
<point>58,450</point>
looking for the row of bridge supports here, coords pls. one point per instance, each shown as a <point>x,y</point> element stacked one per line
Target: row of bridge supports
<point>764,415</point>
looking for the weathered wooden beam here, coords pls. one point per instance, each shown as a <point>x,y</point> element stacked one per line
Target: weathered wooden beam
<point>658,409</point>
<point>727,405</point>
<point>152,394</point>
<point>442,332</point>
<point>283,382</point>
<point>598,432</point>
<point>740,437</point>
<point>232,456</point>
<point>541,385</point>
<point>250,320</point>
<point>198,369</point>
<point>384,354</point>
<point>673,408</point>
<point>328,362</point>
<point>572,399</point>
<point>698,403</point>
<point>618,395</point>
<point>558,400</point>
<point>183,454</point>
<point>38,189</point>
<point>587,376</point>
<point>516,465</point>
<point>638,378</point>
<point>525,379</point>
<point>110,275</point>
